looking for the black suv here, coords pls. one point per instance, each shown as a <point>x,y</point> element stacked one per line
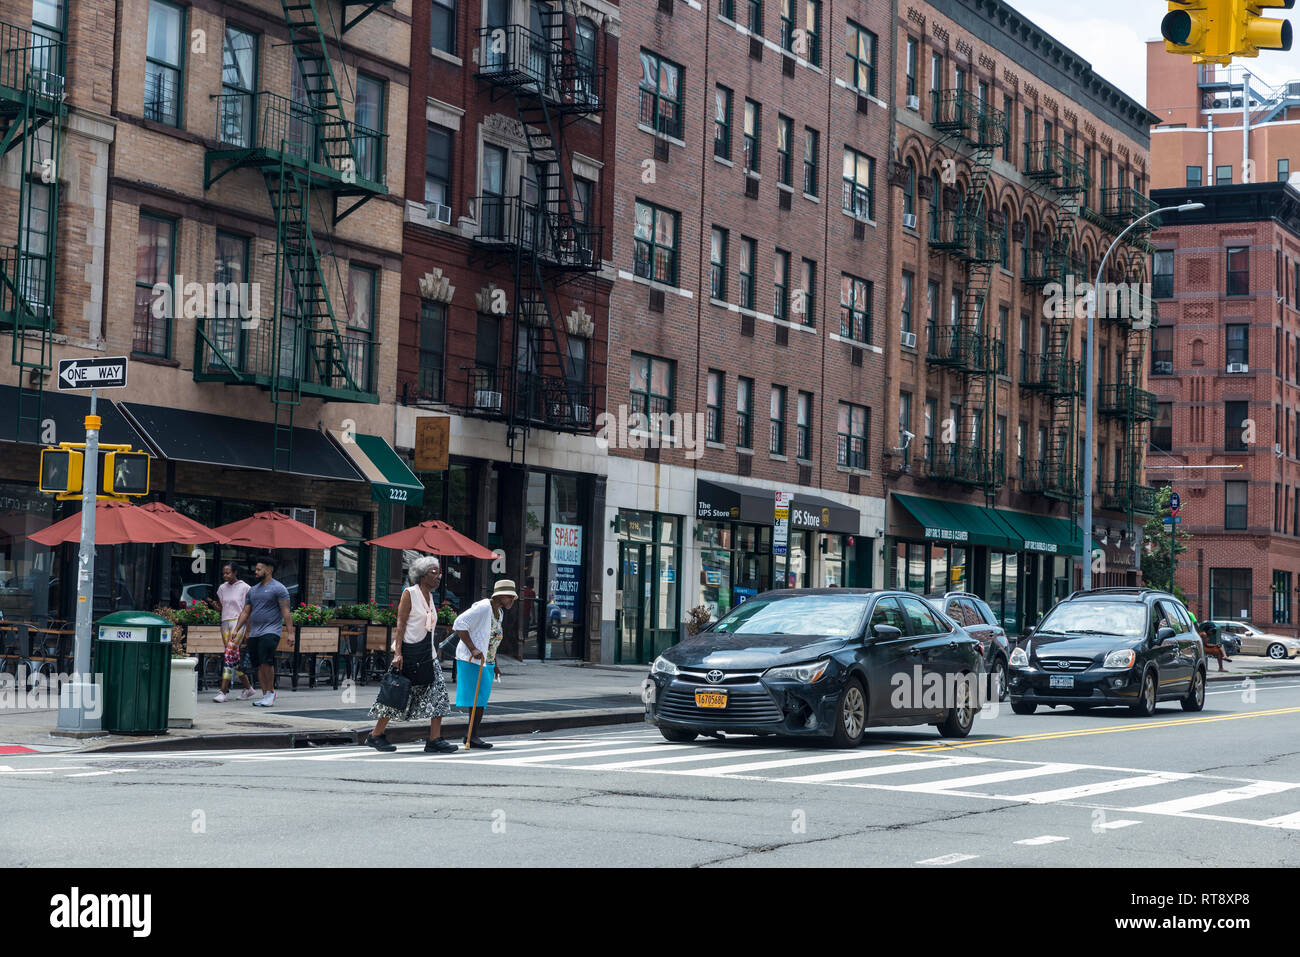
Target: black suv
<point>1110,646</point>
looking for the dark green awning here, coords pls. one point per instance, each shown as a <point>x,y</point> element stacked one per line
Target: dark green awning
<point>956,522</point>
<point>1042,533</point>
<point>390,480</point>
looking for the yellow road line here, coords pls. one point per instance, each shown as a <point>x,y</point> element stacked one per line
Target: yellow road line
<point>1052,735</point>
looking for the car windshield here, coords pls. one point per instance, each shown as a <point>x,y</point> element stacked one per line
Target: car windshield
<point>1096,617</point>
<point>836,616</point>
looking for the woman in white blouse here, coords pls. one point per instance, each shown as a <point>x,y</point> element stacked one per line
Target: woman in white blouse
<point>479,629</point>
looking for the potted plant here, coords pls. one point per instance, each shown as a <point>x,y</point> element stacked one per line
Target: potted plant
<point>697,618</point>
<point>446,617</point>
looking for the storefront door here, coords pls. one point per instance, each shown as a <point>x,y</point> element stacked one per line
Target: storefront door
<point>633,601</point>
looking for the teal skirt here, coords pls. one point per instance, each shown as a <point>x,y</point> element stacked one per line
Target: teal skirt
<point>467,678</point>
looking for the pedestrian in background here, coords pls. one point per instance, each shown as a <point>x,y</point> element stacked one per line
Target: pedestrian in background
<point>414,659</point>
<point>1210,639</point>
<point>231,596</point>
<point>264,619</point>
<point>479,629</point>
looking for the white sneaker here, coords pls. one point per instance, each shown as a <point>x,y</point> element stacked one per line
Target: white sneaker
<point>246,694</point>
<point>265,701</point>
<point>221,698</point>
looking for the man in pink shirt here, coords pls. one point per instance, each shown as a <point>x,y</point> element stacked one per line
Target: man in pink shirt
<point>231,595</point>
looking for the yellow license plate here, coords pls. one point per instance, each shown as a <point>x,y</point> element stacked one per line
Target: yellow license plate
<point>706,699</point>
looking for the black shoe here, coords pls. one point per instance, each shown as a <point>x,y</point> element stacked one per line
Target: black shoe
<point>439,746</point>
<point>380,743</point>
<point>479,743</point>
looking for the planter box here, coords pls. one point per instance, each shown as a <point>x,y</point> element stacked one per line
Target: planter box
<point>204,640</point>
<point>184,699</point>
<point>377,637</point>
<point>317,640</point>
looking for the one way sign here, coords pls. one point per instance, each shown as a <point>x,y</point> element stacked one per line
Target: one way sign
<point>99,372</point>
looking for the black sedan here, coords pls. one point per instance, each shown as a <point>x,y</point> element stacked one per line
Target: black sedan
<point>824,662</point>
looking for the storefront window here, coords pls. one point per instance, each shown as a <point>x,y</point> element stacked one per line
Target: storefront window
<point>993,594</point>
<point>915,568</point>
<point>347,577</point>
<point>648,599</point>
<point>797,570</point>
<point>735,563</point>
<point>832,552</point>
<point>938,570</point>
<point>29,583</point>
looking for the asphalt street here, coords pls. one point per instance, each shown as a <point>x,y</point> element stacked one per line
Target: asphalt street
<point>1058,788</point>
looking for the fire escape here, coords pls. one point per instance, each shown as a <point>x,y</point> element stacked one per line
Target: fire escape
<point>310,156</point>
<point>32,113</point>
<point>970,347</point>
<point>538,232</point>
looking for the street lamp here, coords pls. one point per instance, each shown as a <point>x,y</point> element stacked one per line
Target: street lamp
<point>1085,521</point>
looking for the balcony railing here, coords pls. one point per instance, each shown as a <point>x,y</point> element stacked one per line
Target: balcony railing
<point>516,57</point>
<point>1051,479</point>
<point>965,114</point>
<point>31,64</point>
<point>1049,160</point>
<point>1126,400</point>
<point>1041,266</point>
<point>24,289</point>
<point>550,402</point>
<point>509,221</point>
<point>969,237</point>
<point>1128,496</point>
<point>967,464</point>
<point>1053,375</point>
<point>1124,204</point>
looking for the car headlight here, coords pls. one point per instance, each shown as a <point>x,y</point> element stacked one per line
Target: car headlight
<point>807,673</point>
<point>662,666</point>
<point>1019,659</point>
<point>1123,658</point>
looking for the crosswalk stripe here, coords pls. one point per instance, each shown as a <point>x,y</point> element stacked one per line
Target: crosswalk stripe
<point>92,774</point>
<point>1044,839</point>
<point>532,759</point>
<point>785,763</point>
<point>830,777</point>
<point>949,859</point>
<point>1291,821</point>
<point>1115,825</point>
<point>1198,801</point>
<point>1104,787</point>
<point>700,754</point>
<point>978,780</point>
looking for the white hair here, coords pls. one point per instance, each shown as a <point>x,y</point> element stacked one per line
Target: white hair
<point>422,566</point>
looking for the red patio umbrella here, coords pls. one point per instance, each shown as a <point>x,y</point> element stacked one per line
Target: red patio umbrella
<point>116,523</point>
<point>199,533</point>
<point>275,530</point>
<point>437,538</point>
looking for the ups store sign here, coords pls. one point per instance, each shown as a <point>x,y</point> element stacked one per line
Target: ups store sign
<point>823,516</point>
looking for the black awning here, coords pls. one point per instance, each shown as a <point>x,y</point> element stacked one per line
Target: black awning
<point>823,514</point>
<point>723,501</point>
<point>180,435</point>
<point>67,411</point>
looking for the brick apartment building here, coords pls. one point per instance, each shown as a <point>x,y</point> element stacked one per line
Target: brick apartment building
<point>505,295</point>
<point>1225,367</point>
<point>1199,137</point>
<point>251,149</point>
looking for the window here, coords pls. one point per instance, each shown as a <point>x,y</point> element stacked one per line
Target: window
<point>487,348</point>
<point>36,245</point>
<point>363,288</point>
<point>1006,133</point>
<point>229,275</point>
<point>1162,429</point>
<point>433,343</point>
<point>806,304</point>
<point>936,191</point>
<point>437,172</point>
<point>367,132</point>
<point>655,255</point>
<point>776,443</point>
<point>1027,134</point>
<point>909,189</point>
<point>650,389</point>
<point>584,192</point>
<point>744,413</point>
<point>713,415</point>
<point>718,265</point>
<point>905,425</point>
<point>1193,176</point>
<point>753,134</point>
<point>859,174</point>
<point>727,8</point>
<point>1021,431</point>
<point>754,16</point>
<point>855,308</point>
<point>1162,274</point>
<point>163,63</point>
<point>1162,351</point>
<point>784,132</point>
<point>851,451</point>
<point>661,94</point>
<point>492,218</point>
<point>748,261</point>
<point>1281,598</point>
<point>1237,344</point>
<point>788,21</point>
<point>813,27</point>
<point>722,122</point>
<point>1222,175</point>
<point>999,444</point>
<point>810,153</point>
<point>906,304</point>
<point>47,25</point>
<point>910,68</point>
<point>1284,174</point>
<point>781,284</point>
<point>442,32</point>
<point>931,313</point>
<point>155,260</point>
<point>1230,591</point>
<point>936,84</point>
<point>585,54</point>
<point>1235,497</point>
<point>1238,271</point>
<point>861,44</point>
<point>803,426</point>
<point>931,417</point>
<point>238,83</point>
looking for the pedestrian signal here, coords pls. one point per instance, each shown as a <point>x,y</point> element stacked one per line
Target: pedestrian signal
<point>60,471</point>
<point>126,473</point>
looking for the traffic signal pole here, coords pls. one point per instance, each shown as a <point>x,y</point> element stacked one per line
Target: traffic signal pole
<point>76,697</point>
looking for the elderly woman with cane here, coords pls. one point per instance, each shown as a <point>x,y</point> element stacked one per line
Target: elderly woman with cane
<point>414,659</point>
<point>479,629</point>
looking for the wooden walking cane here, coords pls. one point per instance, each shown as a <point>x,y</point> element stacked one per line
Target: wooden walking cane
<point>470,733</point>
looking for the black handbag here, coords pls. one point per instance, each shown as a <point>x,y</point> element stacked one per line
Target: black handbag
<point>417,661</point>
<point>394,690</point>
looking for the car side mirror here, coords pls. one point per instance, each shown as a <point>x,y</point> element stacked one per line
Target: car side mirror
<point>887,632</point>
<point>1164,634</point>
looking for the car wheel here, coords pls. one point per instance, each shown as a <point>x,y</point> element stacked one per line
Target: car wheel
<point>1195,699</point>
<point>1146,702</point>
<point>851,716</point>
<point>1276,651</point>
<point>679,735</point>
<point>1003,684</point>
<point>1023,707</point>
<point>962,715</point>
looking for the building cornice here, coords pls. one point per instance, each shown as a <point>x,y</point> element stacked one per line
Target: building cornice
<point>1235,203</point>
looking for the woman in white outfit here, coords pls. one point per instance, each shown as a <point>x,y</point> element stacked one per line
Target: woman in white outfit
<point>413,657</point>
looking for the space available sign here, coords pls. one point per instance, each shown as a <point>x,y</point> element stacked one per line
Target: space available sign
<point>566,569</point>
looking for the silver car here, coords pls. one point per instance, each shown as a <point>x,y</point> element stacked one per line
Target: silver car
<point>1255,642</point>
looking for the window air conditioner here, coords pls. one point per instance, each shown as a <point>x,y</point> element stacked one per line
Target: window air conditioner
<point>914,102</point>
<point>909,220</point>
<point>486,399</point>
<point>1238,367</point>
<point>440,213</point>
<point>908,339</point>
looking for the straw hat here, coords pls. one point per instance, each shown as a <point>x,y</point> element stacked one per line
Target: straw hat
<point>505,587</point>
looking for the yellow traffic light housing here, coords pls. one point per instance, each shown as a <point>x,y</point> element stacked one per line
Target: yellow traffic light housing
<point>126,473</point>
<point>1262,33</point>
<point>1215,31</point>
<point>61,471</point>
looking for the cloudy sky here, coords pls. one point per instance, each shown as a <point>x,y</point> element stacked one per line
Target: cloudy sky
<point>1112,35</point>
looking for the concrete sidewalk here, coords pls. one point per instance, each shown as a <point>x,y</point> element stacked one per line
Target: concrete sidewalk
<point>532,696</point>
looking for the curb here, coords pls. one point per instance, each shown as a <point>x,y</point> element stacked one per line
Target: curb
<point>1251,674</point>
<point>346,737</point>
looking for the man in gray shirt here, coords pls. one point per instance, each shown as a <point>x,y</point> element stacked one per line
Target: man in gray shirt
<point>266,615</point>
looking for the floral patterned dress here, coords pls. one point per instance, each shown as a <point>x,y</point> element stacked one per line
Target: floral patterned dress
<point>426,701</point>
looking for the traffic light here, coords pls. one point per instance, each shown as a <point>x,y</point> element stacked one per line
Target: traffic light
<point>1257,33</point>
<point>126,473</point>
<point>1215,31</point>
<point>60,471</point>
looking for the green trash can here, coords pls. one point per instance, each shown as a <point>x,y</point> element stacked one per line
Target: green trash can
<point>133,653</point>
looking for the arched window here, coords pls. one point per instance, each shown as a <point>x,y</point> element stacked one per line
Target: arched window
<point>585,50</point>
<point>1005,239</point>
<point>936,190</point>
<point>909,190</point>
